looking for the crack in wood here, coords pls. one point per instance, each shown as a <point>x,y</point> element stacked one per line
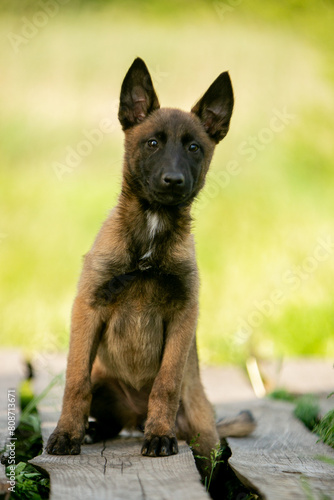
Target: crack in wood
<point>141,487</point>
<point>105,458</point>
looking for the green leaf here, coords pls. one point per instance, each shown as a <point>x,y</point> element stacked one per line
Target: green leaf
<point>326,460</point>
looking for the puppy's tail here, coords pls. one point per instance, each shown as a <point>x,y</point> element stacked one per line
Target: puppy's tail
<point>239,426</point>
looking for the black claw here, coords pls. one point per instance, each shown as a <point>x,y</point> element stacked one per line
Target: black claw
<point>159,446</point>
<point>174,446</point>
<point>154,447</point>
<point>144,448</point>
<point>165,447</point>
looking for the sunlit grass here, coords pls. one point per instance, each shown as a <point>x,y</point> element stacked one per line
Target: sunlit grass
<point>264,222</point>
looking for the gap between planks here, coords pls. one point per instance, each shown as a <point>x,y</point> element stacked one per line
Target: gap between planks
<point>280,459</point>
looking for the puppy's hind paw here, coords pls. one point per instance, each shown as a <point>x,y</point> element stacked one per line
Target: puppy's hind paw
<point>241,425</point>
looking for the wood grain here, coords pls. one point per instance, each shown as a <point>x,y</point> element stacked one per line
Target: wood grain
<point>280,458</point>
<point>117,470</point>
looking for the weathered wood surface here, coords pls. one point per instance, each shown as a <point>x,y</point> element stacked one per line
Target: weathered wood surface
<point>226,384</point>
<point>280,459</point>
<point>118,471</point>
<point>114,470</point>
<point>11,374</point>
<point>300,376</point>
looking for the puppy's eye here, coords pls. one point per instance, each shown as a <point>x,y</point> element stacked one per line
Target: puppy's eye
<point>193,148</point>
<point>152,143</point>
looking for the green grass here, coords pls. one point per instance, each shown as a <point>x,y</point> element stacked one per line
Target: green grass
<point>325,428</point>
<point>257,234</point>
<point>307,410</point>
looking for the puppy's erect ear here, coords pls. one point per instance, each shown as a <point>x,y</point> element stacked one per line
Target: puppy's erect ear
<point>138,98</point>
<point>215,108</point>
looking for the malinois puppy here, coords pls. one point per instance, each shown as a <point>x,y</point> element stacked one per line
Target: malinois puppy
<point>133,359</point>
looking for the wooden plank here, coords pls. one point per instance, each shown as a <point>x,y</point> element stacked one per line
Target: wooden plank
<point>117,471</point>
<point>275,460</point>
<point>112,470</point>
<point>280,459</point>
<point>300,376</point>
<point>226,384</point>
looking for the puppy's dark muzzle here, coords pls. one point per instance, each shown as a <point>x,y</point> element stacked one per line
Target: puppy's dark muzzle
<point>171,188</point>
<point>173,180</point>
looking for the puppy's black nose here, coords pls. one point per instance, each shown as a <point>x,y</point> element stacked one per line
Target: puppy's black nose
<point>172,179</point>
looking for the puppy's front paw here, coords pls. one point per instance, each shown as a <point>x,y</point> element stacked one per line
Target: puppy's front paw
<point>159,446</point>
<point>62,443</point>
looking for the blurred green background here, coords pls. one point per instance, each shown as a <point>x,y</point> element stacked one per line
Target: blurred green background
<point>264,222</point>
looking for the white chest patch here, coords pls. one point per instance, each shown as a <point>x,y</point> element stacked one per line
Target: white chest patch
<point>154,224</point>
<point>147,255</point>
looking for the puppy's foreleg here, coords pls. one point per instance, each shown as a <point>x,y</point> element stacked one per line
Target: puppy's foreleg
<point>85,335</point>
<point>160,434</point>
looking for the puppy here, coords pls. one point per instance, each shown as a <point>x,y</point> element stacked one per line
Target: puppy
<point>133,359</point>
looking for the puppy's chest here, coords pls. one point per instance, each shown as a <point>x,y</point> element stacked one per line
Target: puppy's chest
<point>154,288</point>
<point>137,307</point>
<point>132,344</point>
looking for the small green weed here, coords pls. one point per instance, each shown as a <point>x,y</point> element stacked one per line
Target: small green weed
<point>309,492</point>
<point>216,457</point>
<point>31,484</point>
<point>307,410</point>
<point>223,483</point>
<point>325,428</point>
<point>326,460</point>
<point>282,395</point>
<point>305,483</point>
<point>306,407</point>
